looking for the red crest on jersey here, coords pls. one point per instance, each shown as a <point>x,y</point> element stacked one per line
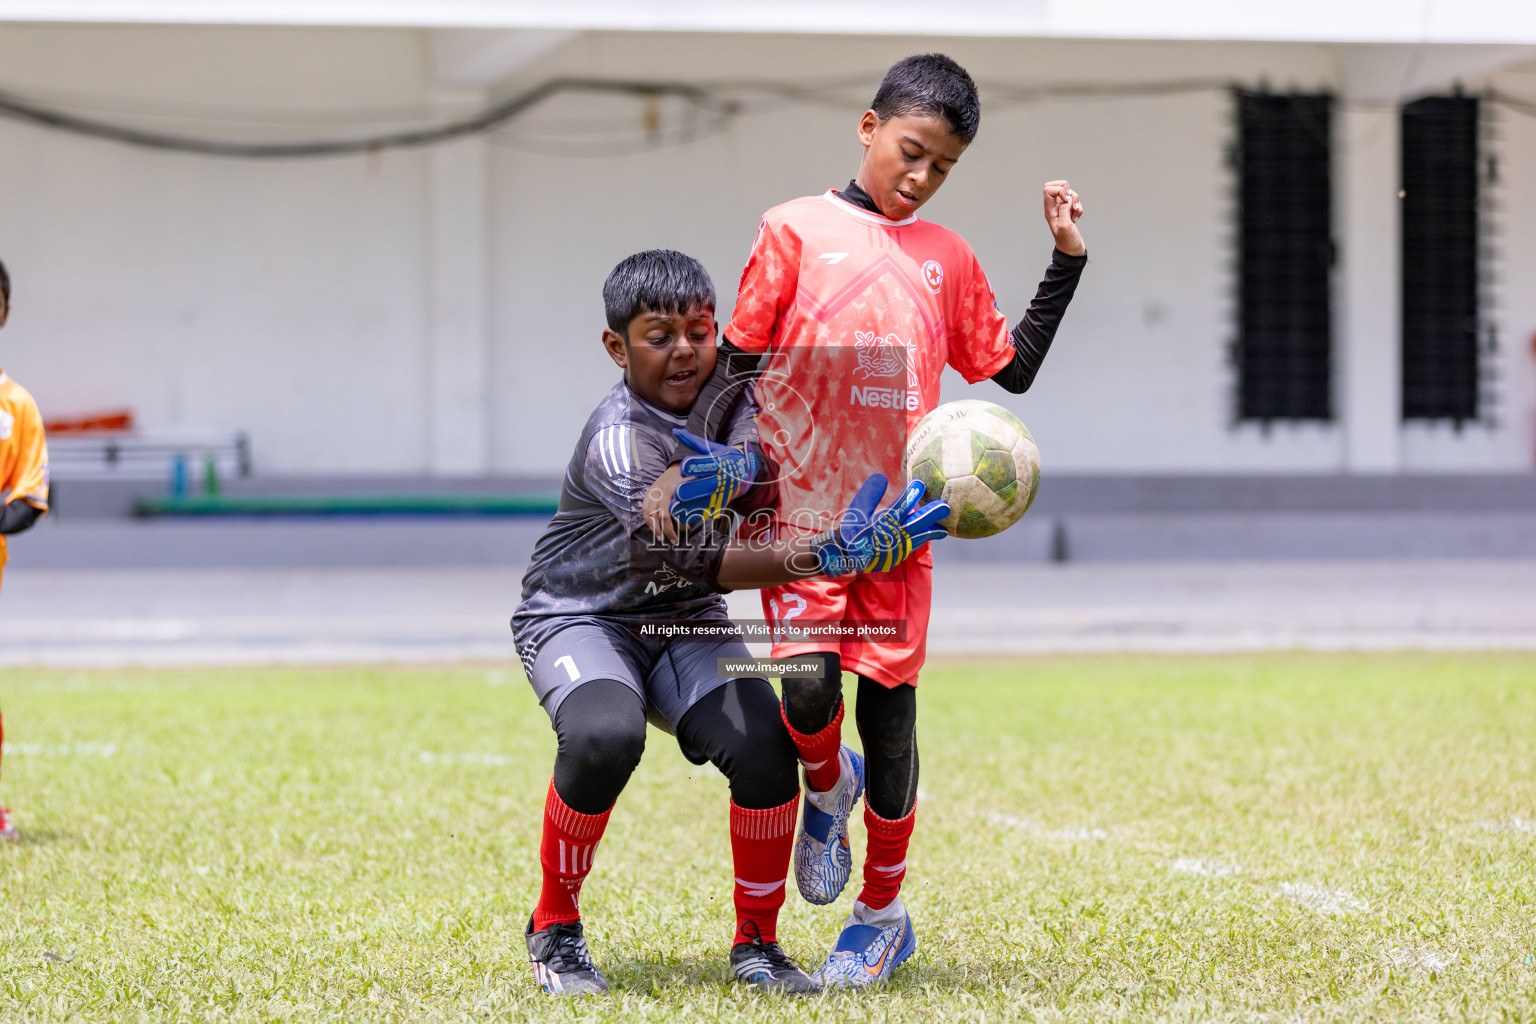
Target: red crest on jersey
<point>933,275</point>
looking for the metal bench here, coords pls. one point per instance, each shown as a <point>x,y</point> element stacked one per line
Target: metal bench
<point>183,460</point>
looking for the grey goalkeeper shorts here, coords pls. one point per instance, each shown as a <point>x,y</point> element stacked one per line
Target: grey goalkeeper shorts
<point>670,676</point>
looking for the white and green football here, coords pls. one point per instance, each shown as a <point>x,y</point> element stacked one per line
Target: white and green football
<point>981,459</point>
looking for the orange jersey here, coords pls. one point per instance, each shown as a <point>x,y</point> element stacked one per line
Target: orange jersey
<point>23,450</point>
<point>861,314</point>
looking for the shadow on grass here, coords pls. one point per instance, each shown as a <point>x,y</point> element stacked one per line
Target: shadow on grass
<point>39,837</point>
<point>661,973</point>
<point>965,976</point>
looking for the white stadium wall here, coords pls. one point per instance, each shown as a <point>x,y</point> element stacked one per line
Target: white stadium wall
<point>315,304</point>
<point>1139,380</point>
<point>284,298</point>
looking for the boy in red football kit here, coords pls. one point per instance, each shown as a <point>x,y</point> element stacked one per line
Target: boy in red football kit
<point>23,474</point>
<point>858,305</point>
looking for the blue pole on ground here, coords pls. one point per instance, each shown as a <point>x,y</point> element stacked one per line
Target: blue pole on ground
<point>179,474</point>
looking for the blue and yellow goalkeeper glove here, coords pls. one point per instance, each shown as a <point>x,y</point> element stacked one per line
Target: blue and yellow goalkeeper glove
<point>869,541</point>
<point>720,474</point>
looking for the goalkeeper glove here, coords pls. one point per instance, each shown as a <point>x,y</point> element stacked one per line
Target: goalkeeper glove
<point>720,473</point>
<point>869,541</point>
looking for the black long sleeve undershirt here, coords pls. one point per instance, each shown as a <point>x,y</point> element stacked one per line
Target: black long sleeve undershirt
<point>1031,337</point>
<point>17,516</point>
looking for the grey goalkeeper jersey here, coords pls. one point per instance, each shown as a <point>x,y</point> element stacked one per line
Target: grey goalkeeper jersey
<point>598,557</point>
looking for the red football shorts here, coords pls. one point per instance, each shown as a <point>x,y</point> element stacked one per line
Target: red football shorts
<point>867,605</point>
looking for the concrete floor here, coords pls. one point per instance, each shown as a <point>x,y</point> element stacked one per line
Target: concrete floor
<point>244,615</point>
<point>1080,536</point>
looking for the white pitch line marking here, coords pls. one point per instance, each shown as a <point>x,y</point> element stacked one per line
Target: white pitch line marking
<point>428,757</point>
<point>1065,835</point>
<point>59,749</point>
<point>1515,824</point>
<point>1423,959</point>
<point>1206,868</point>
<point>1324,901</point>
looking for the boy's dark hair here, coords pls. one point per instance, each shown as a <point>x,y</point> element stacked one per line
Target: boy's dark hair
<point>932,84</point>
<point>5,283</point>
<point>658,280</point>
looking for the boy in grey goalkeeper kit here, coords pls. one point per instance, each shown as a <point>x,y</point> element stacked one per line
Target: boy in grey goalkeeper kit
<point>598,575</point>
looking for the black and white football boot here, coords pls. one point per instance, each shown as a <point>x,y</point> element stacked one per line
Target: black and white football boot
<point>561,963</point>
<point>764,965</point>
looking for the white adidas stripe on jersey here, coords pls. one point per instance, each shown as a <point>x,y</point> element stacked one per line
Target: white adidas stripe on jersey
<point>613,445</point>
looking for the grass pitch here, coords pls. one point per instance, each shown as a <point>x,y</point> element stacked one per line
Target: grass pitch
<point>1285,837</point>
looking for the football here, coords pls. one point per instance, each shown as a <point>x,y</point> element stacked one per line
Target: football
<point>981,459</point>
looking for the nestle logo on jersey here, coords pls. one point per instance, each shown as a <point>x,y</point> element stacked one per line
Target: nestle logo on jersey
<point>883,398</point>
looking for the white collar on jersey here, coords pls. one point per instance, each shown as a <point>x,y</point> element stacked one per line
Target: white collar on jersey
<point>846,206</point>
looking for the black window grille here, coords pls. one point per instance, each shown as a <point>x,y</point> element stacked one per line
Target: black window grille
<point>1285,252</point>
<point>1440,258</point>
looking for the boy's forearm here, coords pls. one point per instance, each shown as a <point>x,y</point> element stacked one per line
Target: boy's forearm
<point>751,565</point>
<point>764,492</point>
<point>1033,334</point>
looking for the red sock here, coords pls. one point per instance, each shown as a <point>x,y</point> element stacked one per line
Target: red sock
<point>818,752</point>
<point>885,859</point>
<point>565,854</point>
<point>760,845</point>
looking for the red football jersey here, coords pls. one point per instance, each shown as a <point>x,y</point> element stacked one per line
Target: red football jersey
<point>860,313</point>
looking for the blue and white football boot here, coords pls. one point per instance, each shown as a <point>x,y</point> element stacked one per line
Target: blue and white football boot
<point>873,944</point>
<point>823,861</point>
